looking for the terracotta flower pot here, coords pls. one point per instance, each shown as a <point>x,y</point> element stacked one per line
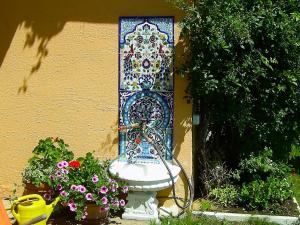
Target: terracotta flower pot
<point>32,189</point>
<point>95,213</point>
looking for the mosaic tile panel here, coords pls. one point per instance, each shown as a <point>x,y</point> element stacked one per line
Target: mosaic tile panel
<point>146,84</point>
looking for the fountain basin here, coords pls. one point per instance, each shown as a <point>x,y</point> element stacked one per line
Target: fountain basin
<point>146,176</point>
<point>144,180</point>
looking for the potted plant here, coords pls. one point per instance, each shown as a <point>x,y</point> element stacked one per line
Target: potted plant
<point>86,187</point>
<point>48,152</point>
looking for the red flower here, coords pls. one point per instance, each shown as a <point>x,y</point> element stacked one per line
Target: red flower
<point>74,164</point>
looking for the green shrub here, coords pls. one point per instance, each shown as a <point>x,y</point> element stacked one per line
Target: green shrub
<point>205,204</point>
<point>269,194</point>
<point>260,167</point>
<point>260,183</point>
<point>46,155</point>
<point>226,196</point>
<point>242,59</point>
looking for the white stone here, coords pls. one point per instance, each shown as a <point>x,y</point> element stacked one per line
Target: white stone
<point>171,211</point>
<point>143,182</point>
<point>145,177</point>
<point>141,206</point>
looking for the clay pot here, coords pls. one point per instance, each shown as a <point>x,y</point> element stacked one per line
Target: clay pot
<point>32,189</point>
<point>95,213</point>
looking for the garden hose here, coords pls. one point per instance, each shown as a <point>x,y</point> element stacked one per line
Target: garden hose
<point>159,152</point>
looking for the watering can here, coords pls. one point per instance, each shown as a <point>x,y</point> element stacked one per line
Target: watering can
<point>32,208</point>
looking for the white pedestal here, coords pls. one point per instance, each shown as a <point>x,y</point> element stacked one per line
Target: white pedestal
<point>141,206</point>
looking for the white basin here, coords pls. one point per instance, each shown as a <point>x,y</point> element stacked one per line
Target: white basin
<point>145,177</point>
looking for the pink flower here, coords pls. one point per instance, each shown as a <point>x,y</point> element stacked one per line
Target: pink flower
<point>58,174</point>
<point>65,163</point>
<point>125,189</point>
<point>95,179</point>
<point>115,203</point>
<point>74,187</point>
<point>113,189</point>
<point>59,187</point>
<point>64,171</point>
<point>72,207</point>
<point>104,200</point>
<point>103,190</point>
<point>122,202</point>
<point>105,208</point>
<point>60,165</point>
<point>84,215</point>
<point>63,194</point>
<point>51,177</point>
<point>89,197</point>
<point>81,188</point>
<point>47,196</point>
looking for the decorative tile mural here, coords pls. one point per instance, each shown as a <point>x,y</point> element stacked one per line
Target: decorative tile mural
<point>146,47</point>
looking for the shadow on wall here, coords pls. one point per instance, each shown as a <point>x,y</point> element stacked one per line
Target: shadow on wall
<point>45,19</point>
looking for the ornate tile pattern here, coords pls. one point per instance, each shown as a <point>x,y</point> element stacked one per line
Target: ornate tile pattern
<point>146,83</point>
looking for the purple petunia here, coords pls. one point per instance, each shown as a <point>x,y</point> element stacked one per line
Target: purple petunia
<point>58,174</point>
<point>59,187</point>
<point>103,190</point>
<point>51,177</point>
<point>64,171</point>
<point>104,200</point>
<point>47,196</point>
<point>63,194</point>
<point>65,163</point>
<point>72,206</point>
<point>115,203</point>
<point>113,189</point>
<point>95,179</point>
<point>122,202</point>
<point>74,187</point>
<point>84,215</point>
<point>89,197</point>
<point>105,208</point>
<point>125,189</point>
<point>60,165</point>
<point>81,188</point>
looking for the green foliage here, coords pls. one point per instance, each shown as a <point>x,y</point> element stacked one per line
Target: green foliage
<point>266,195</point>
<point>295,152</point>
<point>260,184</point>
<point>243,63</point>
<point>260,167</point>
<point>227,195</point>
<point>47,154</point>
<point>205,204</point>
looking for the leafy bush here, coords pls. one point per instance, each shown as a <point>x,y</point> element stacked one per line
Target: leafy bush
<point>47,154</point>
<point>242,59</point>
<point>226,196</point>
<point>260,183</point>
<point>204,205</point>
<point>269,194</point>
<point>260,167</point>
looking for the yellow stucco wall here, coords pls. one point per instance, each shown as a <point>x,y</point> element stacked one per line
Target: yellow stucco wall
<point>59,77</point>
